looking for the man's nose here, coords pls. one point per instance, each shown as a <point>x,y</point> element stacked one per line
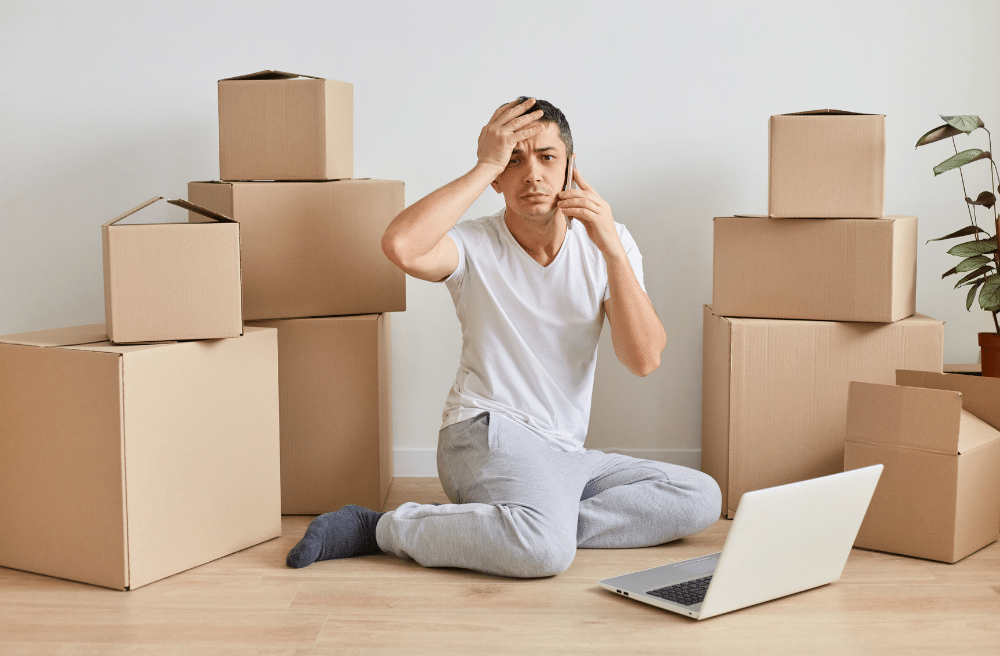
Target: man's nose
<point>533,171</point>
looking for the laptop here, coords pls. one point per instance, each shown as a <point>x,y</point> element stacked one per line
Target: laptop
<point>783,540</point>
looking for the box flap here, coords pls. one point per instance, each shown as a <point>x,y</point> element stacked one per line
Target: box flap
<point>72,336</point>
<point>906,417</point>
<point>198,209</point>
<point>134,210</point>
<point>179,202</point>
<point>974,432</point>
<point>980,396</point>
<point>270,75</point>
<point>812,112</point>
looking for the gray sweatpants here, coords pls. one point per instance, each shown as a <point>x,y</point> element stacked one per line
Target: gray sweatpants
<point>521,508</point>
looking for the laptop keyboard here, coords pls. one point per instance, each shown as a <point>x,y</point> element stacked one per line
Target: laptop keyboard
<point>687,593</point>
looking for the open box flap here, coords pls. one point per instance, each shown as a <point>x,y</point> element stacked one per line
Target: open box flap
<point>840,112</point>
<point>179,202</point>
<point>270,75</point>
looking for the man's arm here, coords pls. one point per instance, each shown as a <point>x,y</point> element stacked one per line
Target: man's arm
<point>417,241</point>
<point>636,332</point>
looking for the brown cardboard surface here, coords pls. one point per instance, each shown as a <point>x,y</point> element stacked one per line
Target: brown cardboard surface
<point>833,269</point>
<point>153,459</point>
<point>826,164</point>
<point>284,126</point>
<point>172,281</point>
<point>913,509</point>
<point>336,426</point>
<point>312,249</point>
<point>775,392</point>
<point>910,417</point>
<point>979,394</point>
<point>938,497</point>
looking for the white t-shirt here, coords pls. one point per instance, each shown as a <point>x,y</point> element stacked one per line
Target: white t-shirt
<point>529,332</point>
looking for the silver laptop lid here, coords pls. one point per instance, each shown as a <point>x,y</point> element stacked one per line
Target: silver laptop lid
<point>790,538</point>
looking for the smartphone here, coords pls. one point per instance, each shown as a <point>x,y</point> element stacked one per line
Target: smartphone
<point>570,167</point>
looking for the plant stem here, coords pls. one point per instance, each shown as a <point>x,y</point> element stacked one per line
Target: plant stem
<point>965,193</point>
<point>995,322</point>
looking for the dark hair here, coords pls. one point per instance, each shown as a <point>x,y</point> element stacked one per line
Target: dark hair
<point>552,114</point>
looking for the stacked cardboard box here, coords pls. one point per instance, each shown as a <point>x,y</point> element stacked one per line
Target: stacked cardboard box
<point>819,293</point>
<point>148,445</point>
<point>313,269</point>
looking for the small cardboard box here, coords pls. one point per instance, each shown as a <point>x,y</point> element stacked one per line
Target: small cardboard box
<point>122,465</point>
<point>336,413</point>
<point>172,281</point>
<point>774,395</point>
<point>826,163</point>
<point>939,497</point>
<point>830,270</point>
<point>312,249</point>
<point>284,126</point>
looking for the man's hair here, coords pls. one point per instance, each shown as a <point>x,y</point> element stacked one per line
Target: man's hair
<point>552,114</point>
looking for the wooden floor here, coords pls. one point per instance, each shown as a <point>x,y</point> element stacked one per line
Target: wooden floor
<point>249,603</point>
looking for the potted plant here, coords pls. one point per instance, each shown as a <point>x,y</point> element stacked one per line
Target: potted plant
<point>980,256</point>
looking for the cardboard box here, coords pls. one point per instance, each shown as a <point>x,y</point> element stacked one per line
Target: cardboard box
<point>774,392</point>
<point>939,497</point>
<point>336,412</point>
<point>312,249</point>
<point>826,164</point>
<point>122,465</point>
<point>284,126</point>
<point>172,281</point>
<point>832,270</point>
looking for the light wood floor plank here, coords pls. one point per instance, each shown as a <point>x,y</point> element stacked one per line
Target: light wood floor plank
<point>250,604</point>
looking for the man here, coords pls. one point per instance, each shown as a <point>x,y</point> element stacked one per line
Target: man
<point>531,294</point>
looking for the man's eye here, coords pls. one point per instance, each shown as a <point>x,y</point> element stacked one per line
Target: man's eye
<point>513,161</point>
<point>548,158</point>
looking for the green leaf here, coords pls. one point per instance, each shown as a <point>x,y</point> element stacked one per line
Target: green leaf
<point>978,272</point>
<point>970,248</point>
<point>972,296</point>
<point>937,134</point>
<point>961,159</point>
<point>986,199</point>
<point>989,295</point>
<point>964,122</point>
<point>967,230</point>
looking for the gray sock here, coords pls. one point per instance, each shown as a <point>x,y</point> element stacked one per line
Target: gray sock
<point>346,533</point>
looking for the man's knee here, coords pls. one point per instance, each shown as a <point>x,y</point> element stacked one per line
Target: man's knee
<point>707,499</point>
<point>554,556</point>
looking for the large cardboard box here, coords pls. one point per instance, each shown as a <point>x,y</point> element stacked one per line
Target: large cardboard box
<point>312,249</point>
<point>122,465</point>
<point>774,392</point>
<point>336,412</point>
<point>832,269</point>
<point>939,497</point>
<point>285,126</point>
<point>172,281</point>
<point>826,163</point>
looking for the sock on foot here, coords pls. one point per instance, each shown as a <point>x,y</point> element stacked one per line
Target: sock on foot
<point>346,533</point>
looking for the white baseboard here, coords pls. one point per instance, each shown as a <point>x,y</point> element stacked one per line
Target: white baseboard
<point>423,462</point>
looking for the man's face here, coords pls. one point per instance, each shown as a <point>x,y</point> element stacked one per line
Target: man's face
<point>535,174</point>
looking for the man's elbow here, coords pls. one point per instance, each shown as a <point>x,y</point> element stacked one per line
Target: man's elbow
<point>646,367</point>
<point>393,248</point>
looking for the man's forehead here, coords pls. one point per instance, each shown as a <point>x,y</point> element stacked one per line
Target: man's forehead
<point>547,139</point>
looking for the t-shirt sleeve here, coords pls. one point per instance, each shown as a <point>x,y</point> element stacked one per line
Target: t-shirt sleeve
<point>456,233</point>
<point>634,258</point>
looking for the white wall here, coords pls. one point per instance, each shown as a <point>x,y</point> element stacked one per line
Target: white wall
<point>105,104</point>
